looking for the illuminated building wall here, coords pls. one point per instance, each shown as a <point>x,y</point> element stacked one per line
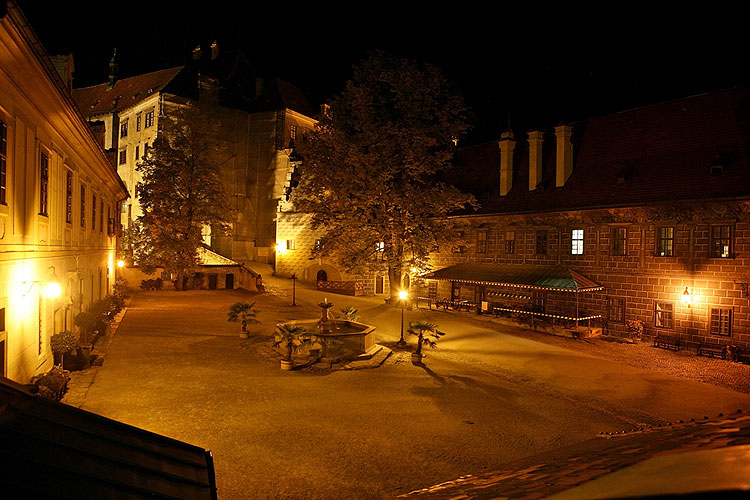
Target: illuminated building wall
<point>57,192</point>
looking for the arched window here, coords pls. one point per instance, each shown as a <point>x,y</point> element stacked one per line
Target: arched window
<point>322,276</point>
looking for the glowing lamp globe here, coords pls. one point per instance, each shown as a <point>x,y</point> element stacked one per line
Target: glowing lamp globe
<point>120,263</point>
<point>52,290</point>
<point>403,294</point>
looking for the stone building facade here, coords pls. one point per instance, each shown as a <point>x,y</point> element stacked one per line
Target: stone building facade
<point>652,205</point>
<point>59,196</point>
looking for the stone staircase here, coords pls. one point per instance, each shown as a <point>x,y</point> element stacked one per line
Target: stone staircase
<point>373,358</point>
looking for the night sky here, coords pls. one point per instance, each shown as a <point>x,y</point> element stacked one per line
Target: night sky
<point>527,66</point>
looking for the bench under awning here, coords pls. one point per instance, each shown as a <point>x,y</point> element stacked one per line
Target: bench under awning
<point>536,277</point>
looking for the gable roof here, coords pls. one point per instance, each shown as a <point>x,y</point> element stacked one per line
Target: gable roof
<point>127,92</point>
<point>662,152</point>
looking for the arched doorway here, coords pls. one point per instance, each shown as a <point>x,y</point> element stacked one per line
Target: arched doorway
<point>322,276</point>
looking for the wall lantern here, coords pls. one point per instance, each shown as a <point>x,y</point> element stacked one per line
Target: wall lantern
<point>50,289</point>
<point>120,263</point>
<point>686,297</point>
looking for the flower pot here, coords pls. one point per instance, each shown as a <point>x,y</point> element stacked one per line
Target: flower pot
<point>70,361</point>
<point>287,365</point>
<point>244,335</point>
<point>416,358</point>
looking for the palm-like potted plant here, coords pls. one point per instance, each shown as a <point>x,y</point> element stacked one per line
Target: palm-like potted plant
<point>427,334</point>
<point>292,338</point>
<point>243,313</point>
<point>349,313</point>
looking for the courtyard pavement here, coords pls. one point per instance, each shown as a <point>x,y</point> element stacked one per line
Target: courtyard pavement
<point>484,398</point>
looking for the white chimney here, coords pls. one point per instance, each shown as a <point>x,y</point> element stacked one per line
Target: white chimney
<point>535,158</point>
<point>506,144</point>
<point>564,154</point>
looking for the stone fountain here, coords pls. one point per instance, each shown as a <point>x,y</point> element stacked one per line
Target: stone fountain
<point>337,340</point>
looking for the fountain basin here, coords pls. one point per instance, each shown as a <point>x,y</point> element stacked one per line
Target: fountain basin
<point>341,340</point>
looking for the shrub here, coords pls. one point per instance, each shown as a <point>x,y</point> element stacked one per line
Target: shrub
<point>63,342</point>
<point>52,385</point>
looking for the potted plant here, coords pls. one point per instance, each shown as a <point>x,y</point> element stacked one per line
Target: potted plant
<point>292,338</point>
<point>427,334</point>
<point>62,343</point>
<point>635,328</point>
<point>243,313</point>
<point>349,313</point>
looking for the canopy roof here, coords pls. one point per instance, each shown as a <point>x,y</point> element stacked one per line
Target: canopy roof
<point>537,277</point>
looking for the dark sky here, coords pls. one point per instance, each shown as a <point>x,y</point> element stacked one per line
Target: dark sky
<point>530,65</point>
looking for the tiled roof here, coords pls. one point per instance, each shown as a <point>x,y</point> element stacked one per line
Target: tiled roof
<point>662,152</point>
<point>523,276</point>
<point>207,257</point>
<point>52,450</point>
<point>126,92</point>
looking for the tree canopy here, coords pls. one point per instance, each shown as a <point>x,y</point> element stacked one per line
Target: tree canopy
<point>369,174</point>
<point>181,191</point>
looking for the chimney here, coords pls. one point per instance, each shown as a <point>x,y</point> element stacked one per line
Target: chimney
<point>112,70</point>
<point>506,144</point>
<point>535,158</point>
<point>258,87</point>
<point>564,154</point>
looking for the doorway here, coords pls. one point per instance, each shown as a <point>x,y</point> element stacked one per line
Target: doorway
<point>230,281</point>
<point>379,284</point>
<point>322,276</point>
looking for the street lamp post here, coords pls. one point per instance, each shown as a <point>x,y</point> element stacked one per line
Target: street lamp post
<point>294,289</point>
<point>402,295</point>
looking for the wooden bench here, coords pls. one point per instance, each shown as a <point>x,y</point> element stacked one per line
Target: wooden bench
<point>667,342</point>
<point>712,350</point>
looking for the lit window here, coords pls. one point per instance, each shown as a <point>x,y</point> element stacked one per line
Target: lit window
<point>510,242</point>
<point>721,241</point>
<point>576,243</point>
<point>482,242</point>
<point>43,183</point>
<point>138,122</point>
<point>541,242</point>
<point>123,156</point>
<point>318,245</point>
<point>619,240</point>
<point>149,119</point>
<point>663,314</point>
<point>3,164</point>
<point>124,129</point>
<point>68,197</point>
<point>665,242</point>
<point>293,132</point>
<point>721,321</point>
<point>290,244</point>
<point>380,246</point>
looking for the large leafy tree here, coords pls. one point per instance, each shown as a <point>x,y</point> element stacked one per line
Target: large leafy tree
<point>181,192</point>
<point>370,170</point>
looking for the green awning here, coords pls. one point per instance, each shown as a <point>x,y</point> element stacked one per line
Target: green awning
<point>537,277</point>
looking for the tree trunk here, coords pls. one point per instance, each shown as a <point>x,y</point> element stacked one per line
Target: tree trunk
<point>418,350</point>
<point>394,277</point>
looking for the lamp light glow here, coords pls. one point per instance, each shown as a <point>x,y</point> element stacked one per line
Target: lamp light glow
<point>52,289</point>
<point>403,294</point>
<point>686,299</point>
<point>120,263</point>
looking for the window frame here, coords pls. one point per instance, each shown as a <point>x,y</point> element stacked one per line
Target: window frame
<point>667,314</point>
<point>620,308</point>
<point>83,206</point>
<point>576,242</point>
<point>660,241</point>
<point>68,196</point>
<point>149,119</point>
<point>290,245</point>
<point>713,239</point>
<point>615,232</point>
<point>510,243</point>
<point>482,239</point>
<point>3,163</point>
<point>122,159</point>
<point>138,122</point>
<point>123,129</point>
<point>541,242</point>
<point>44,184</point>
<point>93,211</point>
<point>729,312</point>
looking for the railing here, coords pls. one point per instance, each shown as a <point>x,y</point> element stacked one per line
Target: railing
<point>354,288</point>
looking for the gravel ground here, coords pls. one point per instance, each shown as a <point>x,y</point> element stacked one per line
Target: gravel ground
<point>684,363</point>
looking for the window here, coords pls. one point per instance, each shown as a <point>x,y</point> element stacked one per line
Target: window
<point>665,242</point>
<point>663,315</point>
<point>616,310</point>
<point>68,197</point>
<point>138,122</point>
<point>124,129</point>
<point>136,152</point>
<point>482,242</point>
<point>541,242</point>
<point>123,157</point>
<point>3,163</point>
<point>510,242</point>
<point>318,245</point>
<point>101,216</point>
<point>619,240</point>
<point>83,206</point>
<point>721,241</point>
<point>380,246</point>
<point>149,119</point>
<point>292,132</point>
<point>93,212</point>
<point>576,242</point>
<point>290,244</point>
<point>43,183</point>
<point>721,321</point>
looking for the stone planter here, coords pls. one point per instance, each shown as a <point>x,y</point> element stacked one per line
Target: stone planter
<point>287,365</point>
<point>84,357</point>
